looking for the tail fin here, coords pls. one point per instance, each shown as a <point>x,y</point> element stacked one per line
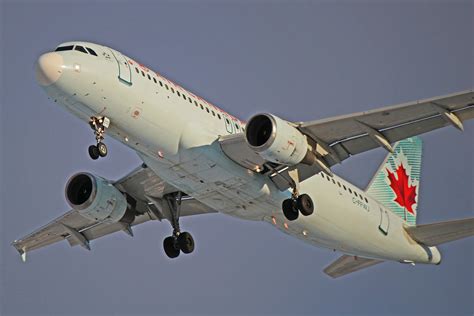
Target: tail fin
<point>397,181</point>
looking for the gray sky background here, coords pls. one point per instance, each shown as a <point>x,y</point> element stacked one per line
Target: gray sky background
<point>301,60</point>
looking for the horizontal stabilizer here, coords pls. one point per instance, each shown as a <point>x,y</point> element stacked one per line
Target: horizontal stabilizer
<point>348,264</point>
<point>440,233</point>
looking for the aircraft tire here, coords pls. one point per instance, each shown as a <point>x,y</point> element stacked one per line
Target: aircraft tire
<point>170,247</point>
<point>305,204</point>
<point>186,242</point>
<point>290,210</point>
<point>94,152</point>
<point>102,149</point>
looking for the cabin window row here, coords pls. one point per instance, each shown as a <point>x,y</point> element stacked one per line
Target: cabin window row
<point>202,107</point>
<point>342,186</point>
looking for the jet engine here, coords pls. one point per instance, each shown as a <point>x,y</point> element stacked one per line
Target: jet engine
<point>277,141</point>
<point>97,199</point>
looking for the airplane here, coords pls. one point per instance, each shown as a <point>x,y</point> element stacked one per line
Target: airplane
<point>199,159</point>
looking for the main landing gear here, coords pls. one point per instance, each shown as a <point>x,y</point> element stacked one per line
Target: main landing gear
<point>178,241</point>
<point>298,203</point>
<point>98,124</point>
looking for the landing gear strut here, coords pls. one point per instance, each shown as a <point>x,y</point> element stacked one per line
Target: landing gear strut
<point>178,241</point>
<point>98,124</point>
<point>297,204</point>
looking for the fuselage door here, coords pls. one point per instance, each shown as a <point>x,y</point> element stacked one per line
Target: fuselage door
<point>228,124</point>
<point>124,70</point>
<point>384,222</point>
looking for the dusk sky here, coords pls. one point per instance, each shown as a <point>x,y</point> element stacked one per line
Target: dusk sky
<point>301,60</point>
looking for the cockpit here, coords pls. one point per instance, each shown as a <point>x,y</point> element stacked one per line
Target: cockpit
<point>79,48</point>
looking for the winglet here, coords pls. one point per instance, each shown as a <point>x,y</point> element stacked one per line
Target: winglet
<point>23,255</point>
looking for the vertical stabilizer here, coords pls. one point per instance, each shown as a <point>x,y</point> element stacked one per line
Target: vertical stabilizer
<point>397,181</point>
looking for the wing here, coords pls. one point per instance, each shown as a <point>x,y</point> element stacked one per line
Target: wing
<point>355,133</point>
<point>142,184</point>
<point>440,233</point>
<point>348,264</point>
<point>340,137</point>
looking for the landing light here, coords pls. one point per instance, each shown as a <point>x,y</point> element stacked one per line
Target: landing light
<point>286,225</point>
<point>305,233</point>
<point>77,68</point>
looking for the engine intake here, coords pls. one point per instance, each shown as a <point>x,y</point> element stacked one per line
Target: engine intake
<point>276,140</point>
<point>97,199</point>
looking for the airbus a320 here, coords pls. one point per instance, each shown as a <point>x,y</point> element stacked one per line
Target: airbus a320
<point>198,159</point>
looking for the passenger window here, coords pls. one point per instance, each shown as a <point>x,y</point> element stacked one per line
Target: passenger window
<point>338,183</point>
<point>143,74</point>
<point>184,97</point>
<point>80,49</point>
<point>161,83</point>
<point>172,90</point>
<point>195,103</point>
<point>219,116</point>
<point>179,94</point>
<point>207,109</point>
<point>227,121</point>
<point>91,51</point>
<point>63,48</point>
<point>344,187</point>
<point>202,108</point>
<point>366,201</point>
<point>149,78</point>
<point>237,126</point>
<point>154,79</point>
<point>333,181</point>
<point>190,101</point>
<point>136,69</point>
<point>350,191</point>
<point>166,86</point>
<point>213,113</point>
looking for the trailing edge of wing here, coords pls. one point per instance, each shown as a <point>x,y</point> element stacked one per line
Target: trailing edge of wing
<point>348,264</point>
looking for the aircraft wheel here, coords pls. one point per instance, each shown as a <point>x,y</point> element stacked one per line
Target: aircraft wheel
<point>290,210</point>
<point>102,149</point>
<point>170,246</point>
<point>94,152</point>
<point>186,242</point>
<point>305,204</point>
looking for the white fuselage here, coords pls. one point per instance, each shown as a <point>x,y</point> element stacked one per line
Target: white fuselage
<point>178,140</point>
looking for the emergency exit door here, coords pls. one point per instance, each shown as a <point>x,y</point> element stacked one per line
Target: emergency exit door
<point>384,222</point>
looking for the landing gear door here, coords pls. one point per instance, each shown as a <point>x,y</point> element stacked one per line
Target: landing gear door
<point>124,70</point>
<point>384,222</point>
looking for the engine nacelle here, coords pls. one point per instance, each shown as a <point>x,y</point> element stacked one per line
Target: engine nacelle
<point>276,140</point>
<point>97,199</point>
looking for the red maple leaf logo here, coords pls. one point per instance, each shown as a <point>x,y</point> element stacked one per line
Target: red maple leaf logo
<point>405,193</point>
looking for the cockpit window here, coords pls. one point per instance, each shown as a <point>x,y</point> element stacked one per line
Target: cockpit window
<point>91,51</point>
<point>80,48</point>
<point>63,48</point>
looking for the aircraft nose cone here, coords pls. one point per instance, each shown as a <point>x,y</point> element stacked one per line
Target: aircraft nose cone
<point>49,68</point>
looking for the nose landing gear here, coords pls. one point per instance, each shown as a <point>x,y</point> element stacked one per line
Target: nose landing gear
<point>98,124</point>
<point>178,241</point>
